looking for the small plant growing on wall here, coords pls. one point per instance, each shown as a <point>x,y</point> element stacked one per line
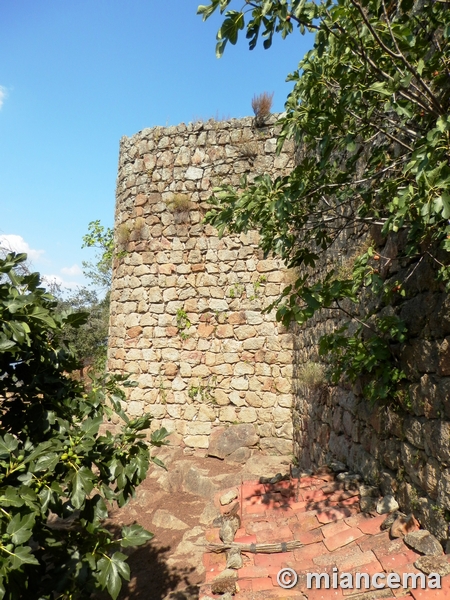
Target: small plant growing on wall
<point>203,392</point>
<point>248,150</point>
<point>183,324</point>
<point>312,375</point>
<point>139,225</point>
<point>261,106</point>
<point>180,205</point>
<point>257,287</point>
<point>237,290</point>
<point>123,234</point>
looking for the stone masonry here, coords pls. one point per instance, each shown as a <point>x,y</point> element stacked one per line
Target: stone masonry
<point>403,448</point>
<point>186,305</point>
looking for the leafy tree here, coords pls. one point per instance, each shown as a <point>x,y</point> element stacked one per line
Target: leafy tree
<point>89,340</point>
<point>369,112</point>
<point>100,271</point>
<point>59,474</point>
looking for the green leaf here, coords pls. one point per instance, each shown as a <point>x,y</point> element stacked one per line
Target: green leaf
<point>82,485</point>
<point>110,571</point>
<point>47,462</point>
<point>134,535</point>
<point>22,556</point>
<point>90,426</point>
<point>158,437</point>
<point>9,496</point>
<point>20,528</point>
<point>380,88</point>
<point>8,444</point>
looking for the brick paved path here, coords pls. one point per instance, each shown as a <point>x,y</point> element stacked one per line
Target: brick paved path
<point>326,519</point>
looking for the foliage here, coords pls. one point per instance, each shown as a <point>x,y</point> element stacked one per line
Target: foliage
<point>369,352</point>
<point>58,473</point>
<point>183,324</point>
<point>369,112</point>
<point>100,272</point>
<point>89,340</point>
<point>203,392</point>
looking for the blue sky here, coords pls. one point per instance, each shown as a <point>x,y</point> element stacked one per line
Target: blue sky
<point>77,76</point>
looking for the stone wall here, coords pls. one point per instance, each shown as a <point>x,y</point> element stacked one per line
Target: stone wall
<point>403,449</point>
<point>186,321</point>
<point>186,316</point>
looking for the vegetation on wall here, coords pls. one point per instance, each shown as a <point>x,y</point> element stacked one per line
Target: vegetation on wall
<point>369,112</point>
<point>59,473</point>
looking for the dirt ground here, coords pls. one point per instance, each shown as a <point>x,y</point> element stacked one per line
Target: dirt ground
<point>177,505</point>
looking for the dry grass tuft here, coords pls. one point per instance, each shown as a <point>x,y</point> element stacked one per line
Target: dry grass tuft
<point>123,233</point>
<point>261,106</point>
<point>312,375</point>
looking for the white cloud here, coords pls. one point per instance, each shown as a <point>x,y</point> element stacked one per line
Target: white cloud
<point>2,95</point>
<point>51,280</point>
<point>16,243</point>
<point>74,270</point>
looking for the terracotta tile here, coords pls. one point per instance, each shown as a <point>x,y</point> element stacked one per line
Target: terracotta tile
<point>307,482</point>
<point>213,560</point>
<point>334,528</point>
<point>245,539</point>
<point>298,506</point>
<point>252,489</point>
<point>273,560</point>
<point>391,562</point>
<point>355,520</point>
<point>253,571</point>
<point>308,537</point>
<point>307,553</point>
<point>335,514</point>
<point>379,542</point>
<point>357,560</point>
<point>354,502</point>
<point>330,594</point>
<point>341,495</point>
<point>263,583</point>
<point>433,594</point>
<point>342,539</point>
<point>314,495</point>
<point>372,525</point>
<point>244,584</point>
<point>282,511</point>
<point>212,536</point>
<point>280,534</point>
<point>339,556</point>
<point>261,525</point>
<point>254,509</point>
<point>307,521</point>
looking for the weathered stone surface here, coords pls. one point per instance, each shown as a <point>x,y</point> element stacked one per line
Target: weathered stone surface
<point>224,442</point>
<point>162,518</point>
<point>225,582</point>
<point>241,455</point>
<point>234,560</point>
<point>228,497</point>
<point>403,525</point>
<point>198,483</point>
<point>423,542</point>
<point>433,564</point>
<point>386,505</point>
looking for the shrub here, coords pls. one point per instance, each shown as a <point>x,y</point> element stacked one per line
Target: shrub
<point>261,106</point>
<point>58,473</point>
